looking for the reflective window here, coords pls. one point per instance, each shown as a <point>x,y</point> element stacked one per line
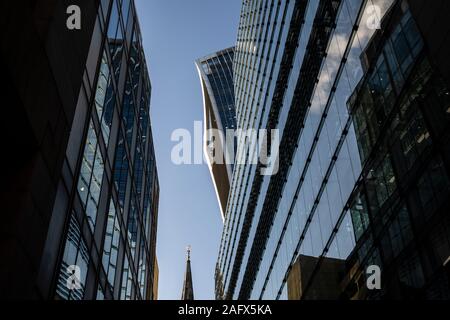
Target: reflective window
<point>360,216</point>
<point>91,176</point>
<point>111,244</point>
<point>434,186</point>
<point>75,257</point>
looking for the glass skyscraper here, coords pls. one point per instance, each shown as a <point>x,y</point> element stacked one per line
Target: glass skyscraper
<point>94,225</point>
<point>216,77</point>
<point>329,75</point>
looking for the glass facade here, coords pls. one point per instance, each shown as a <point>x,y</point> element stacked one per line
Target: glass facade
<point>216,77</point>
<point>111,228</point>
<point>305,68</point>
<point>400,111</point>
<point>217,72</point>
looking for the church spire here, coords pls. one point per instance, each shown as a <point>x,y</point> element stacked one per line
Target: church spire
<point>188,290</point>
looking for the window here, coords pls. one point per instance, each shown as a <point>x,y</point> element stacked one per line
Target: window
<point>132,225</point>
<point>111,244</point>
<point>128,112</point>
<point>105,97</point>
<point>433,187</point>
<point>91,175</point>
<point>121,169</point>
<point>115,40</point>
<point>127,280</point>
<point>142,268</point>
<point>410,272</point>
<point>380,183</point>
<point>360,216</point>
<point>414,138</point>
<point>75,255</point>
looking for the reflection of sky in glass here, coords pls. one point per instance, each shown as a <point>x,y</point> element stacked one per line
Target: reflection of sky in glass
<point>326,183</point>
<point>347,168</point>
<point>216,72</point>
<point>219,71</point>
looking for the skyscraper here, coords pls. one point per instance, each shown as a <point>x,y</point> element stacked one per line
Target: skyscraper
<point>303,67</point>
<point>188,288</point>
<point>216,77</point>
<point>85,196</point>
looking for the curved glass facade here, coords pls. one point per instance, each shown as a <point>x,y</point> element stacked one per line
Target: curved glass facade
<point>216,76</point>
<point>217,73</point>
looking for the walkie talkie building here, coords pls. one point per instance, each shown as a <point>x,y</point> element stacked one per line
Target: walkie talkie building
<point>216,77</point>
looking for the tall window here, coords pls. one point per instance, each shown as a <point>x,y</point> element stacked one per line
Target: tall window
<point>91,175</point>
<point>111,245</point>
<point>75,258</point>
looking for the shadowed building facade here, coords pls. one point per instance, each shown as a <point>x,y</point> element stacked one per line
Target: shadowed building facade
<point>188,288</point>
<point>83,197</point>
<point>216,77</point>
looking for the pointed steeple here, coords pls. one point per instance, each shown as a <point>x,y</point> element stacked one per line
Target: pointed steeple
<point>188,290</point>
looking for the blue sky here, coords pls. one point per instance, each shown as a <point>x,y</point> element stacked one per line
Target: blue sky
<point>175,33</point>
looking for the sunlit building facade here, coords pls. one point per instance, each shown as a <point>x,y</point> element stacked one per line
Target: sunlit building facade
<point>92,205</point>
<point>299,66</point>
<point>216,78</point>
